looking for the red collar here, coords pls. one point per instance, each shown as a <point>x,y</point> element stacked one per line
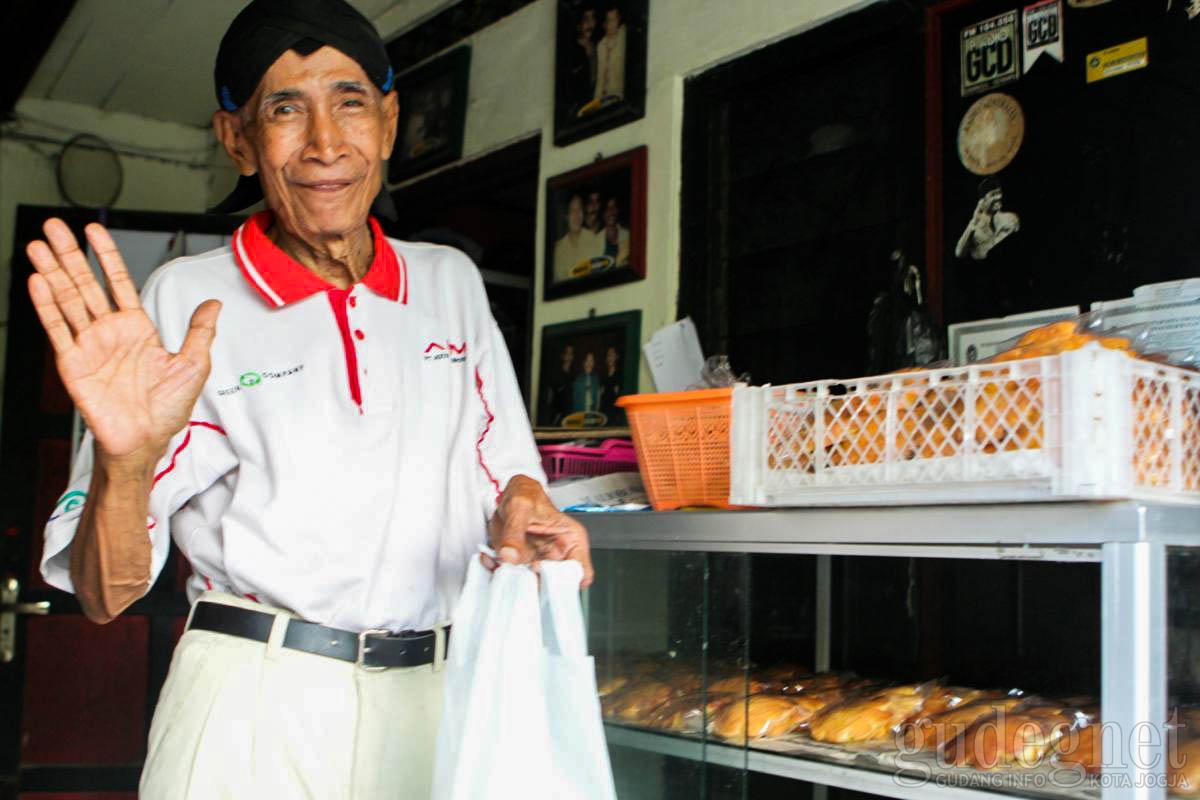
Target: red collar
<point>280,280</point>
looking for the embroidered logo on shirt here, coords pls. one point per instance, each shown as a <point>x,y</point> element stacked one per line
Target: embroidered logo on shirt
<point>249,380</point>
<point>454,353</point>
<point>68,503</point>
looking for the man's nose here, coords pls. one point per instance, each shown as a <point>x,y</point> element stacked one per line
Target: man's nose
<point>325,140</point>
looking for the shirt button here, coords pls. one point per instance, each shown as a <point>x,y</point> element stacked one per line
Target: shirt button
<point>353,301</point>
<point>359,335</point>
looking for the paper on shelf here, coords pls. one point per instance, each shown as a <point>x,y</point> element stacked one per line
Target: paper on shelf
<point>613,489</point>
<point>675,357</point>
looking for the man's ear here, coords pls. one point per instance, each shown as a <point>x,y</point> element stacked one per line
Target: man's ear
<point>227,125</point>
<point>391,115</point>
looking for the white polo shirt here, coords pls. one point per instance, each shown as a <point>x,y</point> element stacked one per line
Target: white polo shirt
<point>348,446</point>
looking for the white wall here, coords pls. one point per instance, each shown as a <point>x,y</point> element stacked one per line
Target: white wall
<point>512,95</point>
<point>27,169</point>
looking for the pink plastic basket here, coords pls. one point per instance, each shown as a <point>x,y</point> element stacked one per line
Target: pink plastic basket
<point>568,460</point>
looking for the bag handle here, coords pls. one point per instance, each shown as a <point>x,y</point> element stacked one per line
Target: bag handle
<point>563,631</point>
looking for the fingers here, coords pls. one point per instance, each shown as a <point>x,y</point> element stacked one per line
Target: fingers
<point>123,289</point>
<point>71,257</point>
<point>512,548</point>
<point>47,310</point>
<point>62,289</point>
<point>201,331</point>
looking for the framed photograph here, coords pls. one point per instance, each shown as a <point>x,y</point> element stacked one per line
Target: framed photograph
<point>433,110</point>
<point>586,365</point>
<point>596,225</point>
<point>599,67</point>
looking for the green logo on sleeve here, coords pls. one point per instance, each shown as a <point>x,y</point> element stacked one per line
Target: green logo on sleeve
<point>249,379</point>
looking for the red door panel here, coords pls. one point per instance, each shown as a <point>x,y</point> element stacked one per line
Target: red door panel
<point>85,691</point>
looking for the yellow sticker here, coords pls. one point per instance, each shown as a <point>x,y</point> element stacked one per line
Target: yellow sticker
<point>1117,60</point>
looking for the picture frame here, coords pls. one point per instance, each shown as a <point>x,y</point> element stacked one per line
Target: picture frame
<point>599,66</point>
<point>596,226</point>
<point>585,365</point>
<point>433,112</point>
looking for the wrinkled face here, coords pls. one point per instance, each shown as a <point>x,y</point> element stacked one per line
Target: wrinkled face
<point>575,213</point>
<point>316,132</point>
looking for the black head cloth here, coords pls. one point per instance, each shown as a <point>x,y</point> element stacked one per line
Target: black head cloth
<point>266,29</point>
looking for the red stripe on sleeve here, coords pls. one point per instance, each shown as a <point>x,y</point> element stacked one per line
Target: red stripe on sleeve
<point>479,442</point>
<point>186,441</point>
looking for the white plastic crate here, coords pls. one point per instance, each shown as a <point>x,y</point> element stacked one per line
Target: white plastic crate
<point>1090,423</point>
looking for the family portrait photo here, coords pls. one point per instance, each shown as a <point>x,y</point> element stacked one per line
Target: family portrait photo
<point>433,103</point>
<point>600,66</point>
<point>586,365</point>
<point>595,225</point>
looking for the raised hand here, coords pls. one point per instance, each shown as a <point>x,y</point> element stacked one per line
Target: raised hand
<point>132,393</point>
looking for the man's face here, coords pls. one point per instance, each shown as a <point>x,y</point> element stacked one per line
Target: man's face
<point>316,131</point>
<point>612,211</point>
<point>568,355</point>
<point>575,214</point>
<point>592,210</point>
<point>587,23</point>
<point>612,22</point>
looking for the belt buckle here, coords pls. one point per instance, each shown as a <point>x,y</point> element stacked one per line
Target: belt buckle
<point>363,649</point>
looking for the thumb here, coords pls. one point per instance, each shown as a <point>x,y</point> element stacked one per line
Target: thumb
<point>201,331</point>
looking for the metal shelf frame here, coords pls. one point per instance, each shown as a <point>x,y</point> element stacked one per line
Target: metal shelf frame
<point>1129,539</point>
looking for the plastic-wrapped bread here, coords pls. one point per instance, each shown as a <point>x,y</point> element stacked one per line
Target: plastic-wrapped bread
<point>1183,764</point>
<point>809,704</point>
<point>872,718</point>
<point>688,714</point>
<point>634,703</point>
<point>1022,737</point>
<point>760,716</point>
<point>612,684</point>
<point>736,684</point>
<point>1083,747</point>
<point>932,731</point>
<point>945,698</point>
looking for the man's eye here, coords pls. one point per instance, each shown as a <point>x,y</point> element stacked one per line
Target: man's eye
<point>354,103</point>
<point>284,110</point>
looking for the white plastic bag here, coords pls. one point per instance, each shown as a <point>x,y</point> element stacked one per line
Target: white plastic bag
<point>521,718</point>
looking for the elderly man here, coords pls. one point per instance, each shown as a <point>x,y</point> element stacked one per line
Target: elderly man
<point>328,459</point>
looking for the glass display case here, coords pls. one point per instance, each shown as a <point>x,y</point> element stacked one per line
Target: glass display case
<point>1036,650</point>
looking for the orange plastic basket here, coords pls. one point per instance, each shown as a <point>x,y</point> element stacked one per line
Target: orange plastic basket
<point>682,443</point>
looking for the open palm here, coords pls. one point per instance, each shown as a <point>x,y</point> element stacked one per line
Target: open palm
<point>133,394</point>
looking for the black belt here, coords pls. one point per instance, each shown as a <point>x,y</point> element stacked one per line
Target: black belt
<point>373,649</point>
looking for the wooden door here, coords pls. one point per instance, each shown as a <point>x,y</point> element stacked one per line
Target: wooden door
<point>76,698</point>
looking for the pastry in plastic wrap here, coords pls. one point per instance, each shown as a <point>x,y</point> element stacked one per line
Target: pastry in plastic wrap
<point>872,718</point>
<point>612,684</point>
<point>933,730</point>
<point>1183,765</point>
<point>760,716</point>
<point>736,684</point>
<point>819,682</point>
<point>811,703</point>
<point>689,714</point>
<point>1024,737</point>
<point>634,703</point>
<point>1082,747</point>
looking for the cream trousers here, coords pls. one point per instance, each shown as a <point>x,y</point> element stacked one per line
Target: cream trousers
<point>241,719</point>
